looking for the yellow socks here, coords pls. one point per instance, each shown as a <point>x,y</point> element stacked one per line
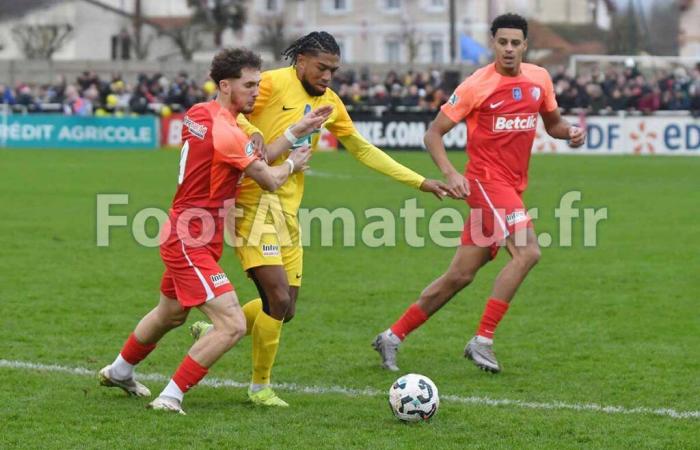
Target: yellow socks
<point>266,339</point>
<point>251,311</point>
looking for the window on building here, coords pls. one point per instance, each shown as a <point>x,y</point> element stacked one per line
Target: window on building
<point>271,5</point>
<point>437,3</point>
<point>437,51</point>
<point>121,46</point>
<point>392,51</point>
<point>340,5</point>
<point>392,4</point>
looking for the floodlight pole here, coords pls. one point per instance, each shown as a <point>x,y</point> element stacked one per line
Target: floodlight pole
<point>453,38</point>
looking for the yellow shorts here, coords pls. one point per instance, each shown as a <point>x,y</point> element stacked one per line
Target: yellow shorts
<point>270,237</point>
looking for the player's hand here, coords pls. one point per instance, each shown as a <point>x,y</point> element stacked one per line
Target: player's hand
<point>300,157</point>
<point>259,146</point>
<point>312,121</point>
<point>436,187</point>
<point>457,185</point>
<point>577,136</point>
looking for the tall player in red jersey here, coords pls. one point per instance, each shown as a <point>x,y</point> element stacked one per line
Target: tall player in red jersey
<point>501,104</point>
<point>214,156</point>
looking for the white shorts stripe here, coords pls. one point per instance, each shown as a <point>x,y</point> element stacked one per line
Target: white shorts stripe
<point>207,289</point>
<point>495,213</point>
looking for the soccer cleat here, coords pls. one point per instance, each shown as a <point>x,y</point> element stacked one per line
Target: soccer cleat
<point>164,403</point>
<point>266,397</point>
<point>130,386</point>
<point>482,355</point>
<point>387,350</point>
<point>199,329</point>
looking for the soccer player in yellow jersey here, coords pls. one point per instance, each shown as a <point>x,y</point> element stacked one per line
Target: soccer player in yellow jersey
<point>269,244</point>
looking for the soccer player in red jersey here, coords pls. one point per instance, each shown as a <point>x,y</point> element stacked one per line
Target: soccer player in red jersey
<point>500,103</point>
<point>215,154</point>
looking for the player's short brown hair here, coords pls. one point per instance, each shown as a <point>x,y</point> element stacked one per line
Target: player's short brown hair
<point>229,62</point>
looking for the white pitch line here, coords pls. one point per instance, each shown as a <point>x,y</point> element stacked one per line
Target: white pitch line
<point>218,383</point>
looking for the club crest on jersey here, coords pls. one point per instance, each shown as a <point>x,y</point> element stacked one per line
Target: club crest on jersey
<point>249,149</point>
<point>453,99</point>
<point>517,94</point>
<point>535,92</point>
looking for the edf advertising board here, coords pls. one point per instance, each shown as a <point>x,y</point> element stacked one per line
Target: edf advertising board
<point>58,131</point>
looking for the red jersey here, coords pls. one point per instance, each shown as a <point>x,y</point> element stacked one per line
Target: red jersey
<point>501,114</point>
<point>214,154</point>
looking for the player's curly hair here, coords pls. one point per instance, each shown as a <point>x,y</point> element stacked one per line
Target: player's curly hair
<point>229,62</point>
<point>312,44</point>
<point>509,20</point>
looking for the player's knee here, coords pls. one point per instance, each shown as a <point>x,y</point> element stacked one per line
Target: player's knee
<point>529,256</point>
<point>177,320</point>
<point>458,280</point>
<point>232,329</point>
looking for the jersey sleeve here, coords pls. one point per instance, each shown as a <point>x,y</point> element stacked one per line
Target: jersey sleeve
<point>549,102</point>
<point>232,146</point>
<point>247,127</point>
<point>374,158</point>
<point>341,125</point>
<point>462,101</point>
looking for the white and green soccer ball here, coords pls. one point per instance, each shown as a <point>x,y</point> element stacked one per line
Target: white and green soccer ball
<point>413,398</point>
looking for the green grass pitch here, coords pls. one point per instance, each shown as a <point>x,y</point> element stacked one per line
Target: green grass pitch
<point>613,325</point>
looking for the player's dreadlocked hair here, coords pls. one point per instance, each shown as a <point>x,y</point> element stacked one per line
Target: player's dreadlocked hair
<point>313,43</point>
<point>509,21</point>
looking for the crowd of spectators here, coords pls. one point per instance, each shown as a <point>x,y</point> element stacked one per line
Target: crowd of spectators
<point>92,95</point>
<point>594,91</point>
<point>627,89</point>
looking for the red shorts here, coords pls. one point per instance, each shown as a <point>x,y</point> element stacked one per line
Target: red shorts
<point>497,211</point>
<point>192,272</point>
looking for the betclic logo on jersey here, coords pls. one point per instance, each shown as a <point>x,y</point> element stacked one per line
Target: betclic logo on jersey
<point>514,122</point>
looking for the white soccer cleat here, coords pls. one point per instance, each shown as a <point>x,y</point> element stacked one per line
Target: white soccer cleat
<point>387,350</point>
<point>481,353</point>
<point>130,386</point>
<point>163,403</point>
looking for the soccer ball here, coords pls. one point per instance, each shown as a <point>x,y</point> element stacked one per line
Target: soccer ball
<point>413,398</point>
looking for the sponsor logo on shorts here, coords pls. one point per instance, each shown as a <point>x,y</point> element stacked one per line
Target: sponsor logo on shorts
<point>197,129</point>
<point>219,279</point>
<point>516,217</point>
<point>270,250</point>
<point>514,122</point>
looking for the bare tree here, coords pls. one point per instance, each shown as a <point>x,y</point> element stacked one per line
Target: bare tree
<point>219,15</point>
<point>413,40</point>
<point>41,41</point>
<point>272,36</point>
<point>186,38</point>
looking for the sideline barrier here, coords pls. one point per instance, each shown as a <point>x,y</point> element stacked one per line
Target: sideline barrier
<point>607,135</point>
<point>73,132</point>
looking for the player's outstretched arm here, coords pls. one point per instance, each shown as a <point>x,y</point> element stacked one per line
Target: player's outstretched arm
<point>560,128</point>
<point>312,121</point>
<point>271,178</point>
<point>457,185</point>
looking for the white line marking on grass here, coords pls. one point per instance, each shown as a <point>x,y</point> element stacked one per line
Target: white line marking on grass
<point>370,392</point>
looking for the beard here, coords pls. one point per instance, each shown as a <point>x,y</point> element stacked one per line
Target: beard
<point>312,91</point>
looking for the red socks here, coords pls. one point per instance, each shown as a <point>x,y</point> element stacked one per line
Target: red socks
<point>409,321</point>
<point>493,313</point>
<point>189,374</point>
<point>134,352</point>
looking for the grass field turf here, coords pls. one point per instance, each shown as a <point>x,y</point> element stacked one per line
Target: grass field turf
<point>618,324</point>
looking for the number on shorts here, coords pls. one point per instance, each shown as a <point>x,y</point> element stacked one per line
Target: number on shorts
<point>183,161</point>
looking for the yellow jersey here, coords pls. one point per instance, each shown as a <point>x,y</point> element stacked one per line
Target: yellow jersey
<point>283,101</point>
